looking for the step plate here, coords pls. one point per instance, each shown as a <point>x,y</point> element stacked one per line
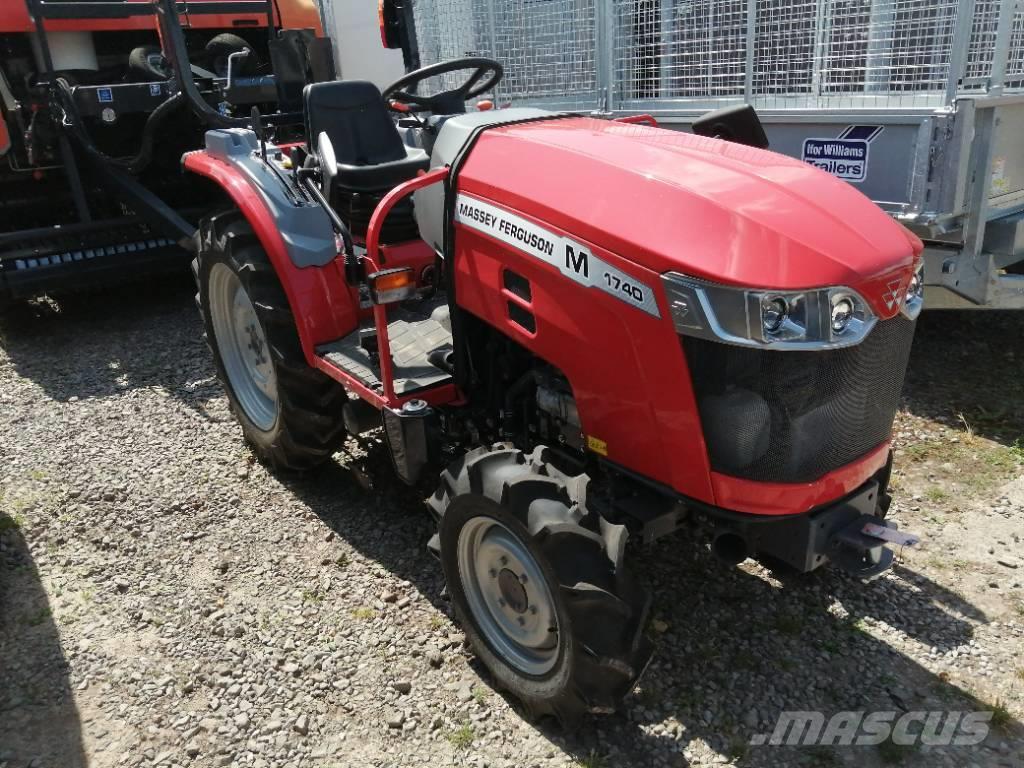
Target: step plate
<point>413,334</point>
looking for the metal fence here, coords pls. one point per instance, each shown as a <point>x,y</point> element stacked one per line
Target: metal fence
<point>636,54</point>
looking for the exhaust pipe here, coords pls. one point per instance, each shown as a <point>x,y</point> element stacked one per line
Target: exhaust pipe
<point>730,548</point>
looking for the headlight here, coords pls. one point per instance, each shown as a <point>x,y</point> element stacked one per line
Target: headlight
<point>815,319</point>
<point>915,293</point>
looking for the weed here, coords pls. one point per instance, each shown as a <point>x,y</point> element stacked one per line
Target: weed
<point>11,522</point>
<point>38,617</point>
<point>363,613</point>
<point>462,737</point>
<point>592,760</point>
<point>311,596</point>
<point>480,695</point>
<point>935,493</point>
<point>1001,717</point>
<point>436,622</point>
<point>341,560</point>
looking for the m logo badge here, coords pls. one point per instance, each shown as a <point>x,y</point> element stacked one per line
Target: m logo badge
<point>894,295</point>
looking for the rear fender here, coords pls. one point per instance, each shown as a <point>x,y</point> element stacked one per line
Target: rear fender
<point>323,304</point>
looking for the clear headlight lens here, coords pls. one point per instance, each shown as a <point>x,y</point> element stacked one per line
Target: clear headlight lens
<point>815,319</point>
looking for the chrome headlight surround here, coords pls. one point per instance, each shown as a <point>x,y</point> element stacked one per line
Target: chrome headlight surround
<point>768,319</point>
<point>914,301</point>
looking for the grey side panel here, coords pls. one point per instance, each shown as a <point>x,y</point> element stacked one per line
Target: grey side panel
<point>455,132</point>
<point>303,224</point>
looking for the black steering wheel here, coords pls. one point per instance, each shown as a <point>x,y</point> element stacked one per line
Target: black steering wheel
<point>487,73</point>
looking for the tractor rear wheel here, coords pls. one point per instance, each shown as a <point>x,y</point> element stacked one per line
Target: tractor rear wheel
<point>538,583</point>
<point>290,413</point>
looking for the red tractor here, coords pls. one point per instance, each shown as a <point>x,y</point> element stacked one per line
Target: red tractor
<point>93,124</point>
<point>589,329</point>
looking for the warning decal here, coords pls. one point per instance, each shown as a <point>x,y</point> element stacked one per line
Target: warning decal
<point>572,259</point>
<point>845,157</point>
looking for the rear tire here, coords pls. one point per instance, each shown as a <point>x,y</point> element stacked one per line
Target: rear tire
<point>290,413</point>
<point>222,46</point>
<point>519,512</point>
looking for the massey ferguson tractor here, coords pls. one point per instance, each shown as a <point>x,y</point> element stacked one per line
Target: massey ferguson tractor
<point>93,123</point>
<point>575,330</point>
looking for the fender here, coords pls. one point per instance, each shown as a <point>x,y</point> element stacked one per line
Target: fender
<point>322,303</point>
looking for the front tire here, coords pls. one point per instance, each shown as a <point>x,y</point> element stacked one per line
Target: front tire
<point>538,583</point>
<point>290,413</point>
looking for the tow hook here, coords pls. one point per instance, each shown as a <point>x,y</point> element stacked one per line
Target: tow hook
<point>859,547</point>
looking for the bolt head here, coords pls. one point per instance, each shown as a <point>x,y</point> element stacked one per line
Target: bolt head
<point>501,601</point>
<point>521,621</point>
<point>533,609</point>
<point>503,560</point>
<point>493,573</point>
<point>522,578</point>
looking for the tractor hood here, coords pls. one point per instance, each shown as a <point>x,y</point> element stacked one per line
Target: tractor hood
<point>675,202</point>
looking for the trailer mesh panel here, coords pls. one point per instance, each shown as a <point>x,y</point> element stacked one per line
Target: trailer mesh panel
<point>597,54</point>
<point>791,417</point>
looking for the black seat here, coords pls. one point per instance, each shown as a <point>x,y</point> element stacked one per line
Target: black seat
<point>371,155</point>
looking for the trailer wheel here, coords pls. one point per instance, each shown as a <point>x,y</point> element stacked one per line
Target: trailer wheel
<point>148,64</point>
<point>222,46</point>
<point>538,583</point>
<point>290,413</point>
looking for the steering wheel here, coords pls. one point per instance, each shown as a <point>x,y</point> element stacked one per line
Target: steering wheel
<point>486,70</point>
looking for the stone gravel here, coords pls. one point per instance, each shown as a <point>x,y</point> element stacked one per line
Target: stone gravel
<point>166,601</point>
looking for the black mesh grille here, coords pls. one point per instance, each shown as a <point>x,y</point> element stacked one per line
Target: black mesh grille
<point>792,417</point>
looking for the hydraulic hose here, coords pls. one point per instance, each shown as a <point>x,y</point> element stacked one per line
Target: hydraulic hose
<point>141,160</point>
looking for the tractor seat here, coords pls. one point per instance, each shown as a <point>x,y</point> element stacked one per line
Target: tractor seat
<point>371,155</point>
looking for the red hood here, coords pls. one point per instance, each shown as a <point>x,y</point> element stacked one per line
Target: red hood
<point>672,201</point>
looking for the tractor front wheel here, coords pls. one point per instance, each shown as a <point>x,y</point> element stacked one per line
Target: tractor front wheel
<point>538,583</point>
<point>290,413</point>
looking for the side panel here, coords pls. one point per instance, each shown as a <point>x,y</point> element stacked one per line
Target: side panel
<point>633,398</point>
<point>323,305</point>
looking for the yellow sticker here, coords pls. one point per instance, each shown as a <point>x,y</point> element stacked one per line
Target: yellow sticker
<point>597,445</point>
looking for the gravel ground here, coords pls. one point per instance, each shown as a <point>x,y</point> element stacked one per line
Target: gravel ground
<point>166,601</point>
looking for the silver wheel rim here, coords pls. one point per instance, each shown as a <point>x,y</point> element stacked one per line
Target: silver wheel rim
<point>508,595</point>
<point>243,347</point>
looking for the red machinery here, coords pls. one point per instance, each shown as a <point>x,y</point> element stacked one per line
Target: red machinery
<point>589,328</point>
<point>93,124</point>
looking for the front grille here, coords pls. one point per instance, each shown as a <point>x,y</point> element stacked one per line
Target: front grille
<point>791,417</point>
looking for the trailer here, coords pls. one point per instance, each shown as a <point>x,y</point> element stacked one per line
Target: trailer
<point>94,121</point>
<point>918,103</point>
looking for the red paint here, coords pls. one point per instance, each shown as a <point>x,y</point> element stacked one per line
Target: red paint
<point>14,17</point>
<point>649,201</point>
<point>375,262</point>
<point>5,137</point>
<point>672,201</point>
<point>322,302</point>
<point>791,498</point>
<point>643,119</point>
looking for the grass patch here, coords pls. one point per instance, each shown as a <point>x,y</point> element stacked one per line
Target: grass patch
<point>435,622</point>
<point>592,760</point>
<point>11,522</point>
<point>363,613</point>
<point>935,493</point>
<point>480,695</point>
<point>1001,717</point>
<point>990,463</point>
<point>462,737</point>
<point>311,596</point>
<point>341,561</point>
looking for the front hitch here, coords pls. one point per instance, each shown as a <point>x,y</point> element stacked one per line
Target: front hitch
<point>859,546</point>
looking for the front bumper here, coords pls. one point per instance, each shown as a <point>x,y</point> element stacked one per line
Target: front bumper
<point>833,533</point>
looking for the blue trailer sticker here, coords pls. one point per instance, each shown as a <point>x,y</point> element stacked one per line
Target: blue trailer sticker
<point>105,95</point>
<point>846,156</point>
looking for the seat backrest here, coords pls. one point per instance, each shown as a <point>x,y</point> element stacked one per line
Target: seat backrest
<point>356,120</point>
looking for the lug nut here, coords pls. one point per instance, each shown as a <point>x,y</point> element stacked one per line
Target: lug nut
<point>521,621</point>
<point>493,573</point>
<point>522,578</point>
<point>503,560</point>
<point>501,601</point>
<point>533,609</point>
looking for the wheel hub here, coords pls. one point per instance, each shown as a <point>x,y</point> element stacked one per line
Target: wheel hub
<point>508,595</point>
<point>512,591</point>
<point>243,347</point>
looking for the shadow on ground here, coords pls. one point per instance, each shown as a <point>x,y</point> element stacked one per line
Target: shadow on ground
<point>736,650</point>
<point>967,371</point>
<point>112,340</point>
<point>39,722</point>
